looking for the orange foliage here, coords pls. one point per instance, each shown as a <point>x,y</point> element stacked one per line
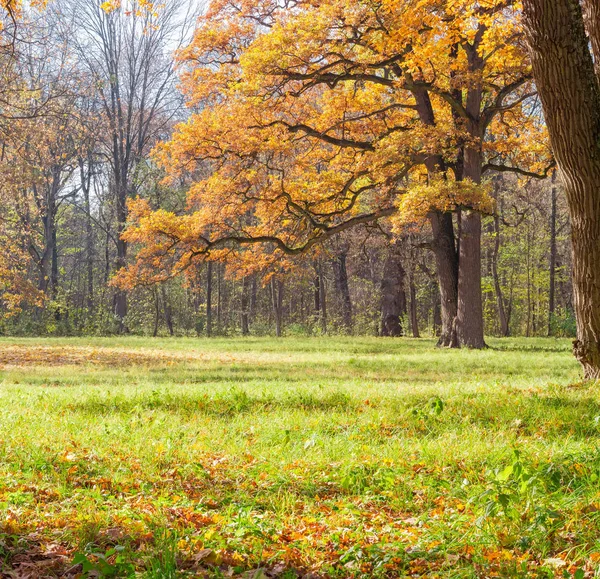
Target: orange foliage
<point>305,122</point>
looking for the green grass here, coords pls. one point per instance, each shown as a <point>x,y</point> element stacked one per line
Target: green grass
<point>344,457</point>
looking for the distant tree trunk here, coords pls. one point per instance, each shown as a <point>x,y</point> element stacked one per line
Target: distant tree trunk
<point>245,302</point>
<point>340,273</point>
<point>553,254</point>
<point>414,321</point>
<point>317,293</point>
<point>156,312</point>
<point>219,298</point>
<point>209,289</point>
<point>393,297</point>
<point>89,232</point>
<point>168,310</point>
<point>566,81</point>
<point>120,299</point>
<point>323,299</point>
<point>504,329</point>
<point>277,302</point>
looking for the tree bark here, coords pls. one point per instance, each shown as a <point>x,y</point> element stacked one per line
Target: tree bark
<point>469,317</point>
<point>446,259</point>
<point>504,329</point>
<point>563,67</point>
<point>277,302</point>
<point>245,305</point>
<point>209,288</point>
<point>443,243</point>
<point>553,254</point>
<point>414,322</point>
<point>340,272</point>
<point>393,296</point>
<point>167,310</point>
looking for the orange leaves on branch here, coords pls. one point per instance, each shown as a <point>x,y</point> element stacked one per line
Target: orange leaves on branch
<point>442,195</point>
<point>307,117</point>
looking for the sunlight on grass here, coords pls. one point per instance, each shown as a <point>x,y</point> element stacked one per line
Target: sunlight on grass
<point>344,457</point>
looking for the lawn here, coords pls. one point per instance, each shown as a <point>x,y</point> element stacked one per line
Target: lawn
<point>324,457</point>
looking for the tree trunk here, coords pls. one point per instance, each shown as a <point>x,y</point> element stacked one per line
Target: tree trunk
<point>393,297</point>
<point>341,283</point>
<point>89,233</point>
<point>167,310</point>
<point>277,302</point>
<point>504,330</point>
<point>414,322</point>
<point>245,304</point>
<point>209,288</point>
<point>570,93</point>
<point>469,317</point>
<point>553,253</point>
<point>446,258</point>
<point>120,300</point>
<point>443,242</point>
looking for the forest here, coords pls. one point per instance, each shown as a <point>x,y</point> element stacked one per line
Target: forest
<point>88,95</point>
<point>299,288</point>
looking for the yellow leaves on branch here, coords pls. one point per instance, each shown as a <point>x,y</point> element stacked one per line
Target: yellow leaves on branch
<point>442,195</point>
<point>137,7</point>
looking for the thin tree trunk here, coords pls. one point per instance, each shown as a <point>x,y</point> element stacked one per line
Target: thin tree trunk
<point>219,299</point>
<point>553,253</point>
<point>277,302</point>
<point>209,289</point>
<point>245,302</point>
<point>323,299</point>
<point>89,234</point>
<point>563,67</point>
<point>504,330</point>
<point>156,313</point>
<point>414,322</point>
<point>341,282</point>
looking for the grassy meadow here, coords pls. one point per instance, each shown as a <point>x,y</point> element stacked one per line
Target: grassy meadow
<point>323,457</point>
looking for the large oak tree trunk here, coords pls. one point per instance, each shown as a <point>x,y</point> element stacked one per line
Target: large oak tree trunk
<point>443,243</point>
<point>570,93</point>
<point>469,318</point>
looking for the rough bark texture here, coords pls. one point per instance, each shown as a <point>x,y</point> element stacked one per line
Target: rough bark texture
<point>446,259</point>
<point>469,317</point>
<point>393,297</point>
<point>567,84</point>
